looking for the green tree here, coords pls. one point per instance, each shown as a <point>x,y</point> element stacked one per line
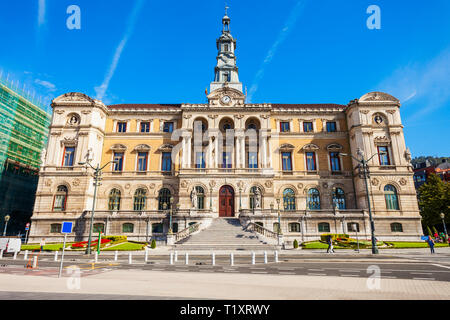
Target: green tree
<point>429,231</point>
<point>295,244</point>
<point>434,198</point>
<point>153,244</point>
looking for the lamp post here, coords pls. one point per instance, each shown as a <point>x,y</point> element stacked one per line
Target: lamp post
<point>97,178</point>
<point>443,222</point>
<point>279,218</point>
<point>7,217</point>
<point>363,166</point>
<point>240,198</point>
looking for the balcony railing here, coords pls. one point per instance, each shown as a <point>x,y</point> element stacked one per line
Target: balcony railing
<point>261,230</point>
<point>187,232</point>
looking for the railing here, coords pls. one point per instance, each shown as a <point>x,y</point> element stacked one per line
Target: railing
<point>186,232</point>
<point>261,230</point>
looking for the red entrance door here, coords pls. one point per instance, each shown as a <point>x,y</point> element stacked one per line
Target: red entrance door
<point>226,202</point>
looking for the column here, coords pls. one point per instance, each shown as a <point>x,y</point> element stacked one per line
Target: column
<point>269,142</point>
<point>216,148</point>
<point>189,151</point>
<point>264,152</point>
<point>210,148</point>
<point>238,152</point>
<point>242,151</point>
<point>183,159</point>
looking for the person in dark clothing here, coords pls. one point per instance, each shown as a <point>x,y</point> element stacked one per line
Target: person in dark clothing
<point>330,245</point>
<point>431,243</point>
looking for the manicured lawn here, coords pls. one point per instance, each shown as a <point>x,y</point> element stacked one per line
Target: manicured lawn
<point>126,246</point>
<point>404,244</point>
<point>48,247</point>
<point>380,245</point>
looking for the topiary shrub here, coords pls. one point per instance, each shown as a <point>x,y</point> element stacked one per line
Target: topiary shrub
<point>429,231</point>
<point>295,244</point>
<point>153,244</point>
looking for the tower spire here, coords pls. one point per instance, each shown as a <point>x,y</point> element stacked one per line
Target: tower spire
<point>226,71</point>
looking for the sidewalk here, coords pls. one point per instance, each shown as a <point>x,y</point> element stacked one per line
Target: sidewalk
<point>228,286</point>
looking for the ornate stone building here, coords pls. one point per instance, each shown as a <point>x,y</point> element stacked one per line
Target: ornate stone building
<point>178,165</point>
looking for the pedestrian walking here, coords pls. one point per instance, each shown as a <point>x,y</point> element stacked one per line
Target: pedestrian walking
<point>431,243</point>
<point>42,244</point>
<point>330,245</point>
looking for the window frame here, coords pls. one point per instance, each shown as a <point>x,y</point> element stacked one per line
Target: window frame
<point>285,126</point>
<point>320,226</point>
<point>305,126</point>
<point>168,126</point>
<point>72,155</point>
<point>147,126</point>
<point>313,160</point>
<point>166,162</point>
<point>329,126</point>
<point>386,156</point>
<point>286,155</point>
<point>121,125</point>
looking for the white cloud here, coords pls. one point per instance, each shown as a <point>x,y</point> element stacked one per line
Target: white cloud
<point>41,12</point>
<point>101,90</point>
<point>50,86</point>
<point>271,53</point>
<point>427,83</point>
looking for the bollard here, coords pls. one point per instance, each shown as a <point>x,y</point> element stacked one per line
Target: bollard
<point>115,255</point>
<point>35,260</point>
<point>171,258</point>
<point>130,259</point>
<point>213,259</point>
<point>15,255</point>
<point>56,255</point>
<point>231,259</point>
<point>187,258</point>
<point>146,255</point>
<point>253,258</point>
<point>25,255</point>
<point>96,257</point>
<point>265,256</point>
<point>176,256</point>
<point>276,256</point>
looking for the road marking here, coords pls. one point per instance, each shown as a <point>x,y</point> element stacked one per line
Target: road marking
<point>427,273</point>
<point>316,270</point>
<point>423,278</point>
<point>388,277</point>
<point>286,273</point>
<point>259,272</point>
<point>317,274</point>
<point>349,275</point>
<point>439,265</point>
<point>350,270</point>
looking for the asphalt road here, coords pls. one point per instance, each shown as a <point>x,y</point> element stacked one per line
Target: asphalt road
<point>318,265</point>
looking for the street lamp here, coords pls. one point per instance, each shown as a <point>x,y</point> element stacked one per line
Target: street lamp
<point>445,228</point>
<point>97,178</point>
<point>363,166</point>
<point>7,217</point>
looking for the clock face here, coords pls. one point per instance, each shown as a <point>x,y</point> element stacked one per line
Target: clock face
<point>226,99</point>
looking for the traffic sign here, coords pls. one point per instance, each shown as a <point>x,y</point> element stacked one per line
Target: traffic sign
<point>67,227</point>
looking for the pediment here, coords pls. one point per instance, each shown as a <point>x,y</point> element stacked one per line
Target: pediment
<point>310,146</point>
<point>73,97</point>
<point>118,147</point>
<point>378,96</point>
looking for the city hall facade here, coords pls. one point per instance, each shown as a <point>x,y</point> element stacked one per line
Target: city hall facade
<point>286,168</point>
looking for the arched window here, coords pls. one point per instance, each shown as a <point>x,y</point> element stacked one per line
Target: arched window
<point>289,199</point>
<point>396,227</point>
<point>55,228</point>
<point>140,197</point>
<point>99,227</point>
<point>114,200</point>
<point>60,200</point>
<point>163,197</point>
<point>339,198</point>
<point>390,195</point>
<point>294,227</point>
<point>313,199</point>
<point>255,195</point>
<point>200,197</point>
<point>128,228</point>
<point>324,227</point>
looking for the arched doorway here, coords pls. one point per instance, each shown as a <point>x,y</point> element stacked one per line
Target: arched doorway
<point>226,202</point>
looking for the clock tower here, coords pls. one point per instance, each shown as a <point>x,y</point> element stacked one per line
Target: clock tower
<point>226,71</point>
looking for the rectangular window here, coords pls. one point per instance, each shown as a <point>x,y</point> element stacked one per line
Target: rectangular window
<point>334,161</point>
<point>69,153</point>
<point>121,127</point>
<point>253,160</point>
<point>383,156</point>
<point>166,161</point>
<point>142,161</point>
<point>286,158</point>
<point>311,161</point>
<point>145,126</point>
<point>307,126</point>
<point>225,47</point>
<point>118,157</point>
<point>168,126</point>
<point>200,160</point>
<point>226,160</point>
<point>284,126</point>
<point>331,127</point>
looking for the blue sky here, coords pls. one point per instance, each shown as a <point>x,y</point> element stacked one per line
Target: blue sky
<point>288,51</point>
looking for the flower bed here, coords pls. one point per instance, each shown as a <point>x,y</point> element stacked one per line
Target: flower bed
<point>84,244</point>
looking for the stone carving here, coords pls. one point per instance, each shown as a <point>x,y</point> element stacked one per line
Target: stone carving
<point>76,182</point>
<point>89,155</point>
<point>403,181</point>
<point>408,155</point>
<point>48,182</point>
<point>212,183</point>
<point>43,155</point>
<point>194,198</point>
<point>365,111</point>
<point>378,96</point>
<point>240,183</point>
<point>73,120</point>
<point>184,184</point>
<point>127,186</point>
<point>325,185</point>
<point>268,184</point>
<point>257,198</point>
<point>375,182</point>
<point>151,186</point>
<point>300,186</point>
<point>391,111</point>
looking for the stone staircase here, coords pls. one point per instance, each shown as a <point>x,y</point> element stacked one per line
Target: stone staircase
<point>224,234</point>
